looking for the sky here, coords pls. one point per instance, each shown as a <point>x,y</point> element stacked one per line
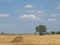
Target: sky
<point>22,16</point>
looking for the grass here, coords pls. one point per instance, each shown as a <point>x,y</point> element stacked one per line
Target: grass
<point>31,40</point>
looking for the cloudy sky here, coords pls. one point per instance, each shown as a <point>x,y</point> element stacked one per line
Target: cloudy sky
<point>22,16</point>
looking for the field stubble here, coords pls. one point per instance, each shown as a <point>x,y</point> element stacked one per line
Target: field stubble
<point>31,40</point>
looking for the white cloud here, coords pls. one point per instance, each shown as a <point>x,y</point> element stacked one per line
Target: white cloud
<point>31,11</point>
<point>51,19</point>
<point>27,11</point>
<point>53,15</point>
<point>58,7</point>
<point>9,1</point>
<point>41,12</point>
<point>30,17</point>
<point>4,15</point>
<point>28,6</point>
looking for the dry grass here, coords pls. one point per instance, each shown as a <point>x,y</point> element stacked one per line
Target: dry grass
<point>31,40</point>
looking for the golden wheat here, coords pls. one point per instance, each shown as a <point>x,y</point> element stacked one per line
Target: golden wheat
<point>31,40</point>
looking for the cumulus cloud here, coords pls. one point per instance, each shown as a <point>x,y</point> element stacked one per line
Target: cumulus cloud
<point>30,17</point>
<point>31,11</point>
<point>28,6</point>
<point>58,7</point>
<point>4,15</point>
<point>41,12</point>
<point>53,15</point>
<point>51,19</point>
<point>9,1</point>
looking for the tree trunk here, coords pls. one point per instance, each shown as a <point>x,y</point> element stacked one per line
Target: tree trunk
<point>40,33</point>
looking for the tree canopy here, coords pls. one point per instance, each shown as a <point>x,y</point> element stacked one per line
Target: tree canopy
<point>41,29</point>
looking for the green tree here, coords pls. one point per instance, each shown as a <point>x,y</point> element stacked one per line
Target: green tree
<point>41,29</point>
<point>52,32</point>
<point>58,32</point>
<point>47,33</point>
<point>2,33</point>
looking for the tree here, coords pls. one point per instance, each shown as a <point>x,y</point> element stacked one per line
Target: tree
<point>58,32</point>
<point>47,33</point>
<point>2,33</point>
<point>41,29</point>
<point>52,32</point>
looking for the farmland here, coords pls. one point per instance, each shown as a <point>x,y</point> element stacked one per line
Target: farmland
<point>31,40</point>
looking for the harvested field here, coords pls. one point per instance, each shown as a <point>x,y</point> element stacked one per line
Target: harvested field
<point>30,40</point>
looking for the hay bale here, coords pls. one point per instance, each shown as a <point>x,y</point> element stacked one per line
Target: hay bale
<point>18,39</point>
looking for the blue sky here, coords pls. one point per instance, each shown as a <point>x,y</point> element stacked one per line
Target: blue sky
<point>22,16</point>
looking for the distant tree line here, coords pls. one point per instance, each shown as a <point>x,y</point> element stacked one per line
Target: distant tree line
<point>53,32</point>
<point>2,33</point>
<point>43,30</point>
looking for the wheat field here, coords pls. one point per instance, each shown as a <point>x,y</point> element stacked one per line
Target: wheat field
<point>31,40</point>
